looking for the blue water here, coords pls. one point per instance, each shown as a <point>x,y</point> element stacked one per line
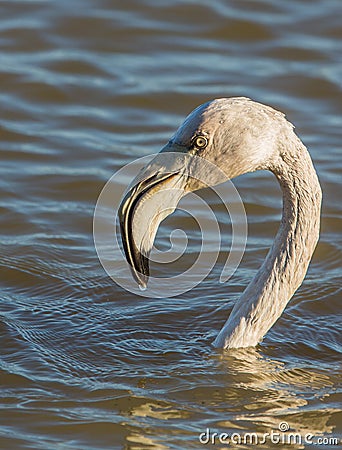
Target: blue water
<point>88,87</point>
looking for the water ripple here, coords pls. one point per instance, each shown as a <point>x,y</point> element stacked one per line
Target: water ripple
<point>87,89</point>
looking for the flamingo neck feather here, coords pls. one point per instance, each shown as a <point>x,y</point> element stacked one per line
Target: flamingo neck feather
<point>286,264</point>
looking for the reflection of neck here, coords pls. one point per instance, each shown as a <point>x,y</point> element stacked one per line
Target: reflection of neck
<point>285,266</point>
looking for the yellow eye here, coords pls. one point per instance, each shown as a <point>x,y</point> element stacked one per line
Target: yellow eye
<point>200,142</point>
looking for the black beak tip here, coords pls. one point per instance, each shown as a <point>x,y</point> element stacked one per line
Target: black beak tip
<point>140,278</point>
<point>142,284</point>
<point>141,270</point>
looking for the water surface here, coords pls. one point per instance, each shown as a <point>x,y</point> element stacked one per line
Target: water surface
<point>87,87</point>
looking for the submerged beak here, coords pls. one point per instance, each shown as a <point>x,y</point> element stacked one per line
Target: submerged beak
<point>141,212</point>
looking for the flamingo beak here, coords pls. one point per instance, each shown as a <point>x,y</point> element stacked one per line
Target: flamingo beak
<point>141,211</point>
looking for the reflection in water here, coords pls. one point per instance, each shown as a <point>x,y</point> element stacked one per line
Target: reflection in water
<point>137,441</point>
<point>86,365</point>
<point>283,391</point>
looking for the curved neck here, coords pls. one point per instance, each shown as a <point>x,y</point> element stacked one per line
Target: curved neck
<point>285,266</point>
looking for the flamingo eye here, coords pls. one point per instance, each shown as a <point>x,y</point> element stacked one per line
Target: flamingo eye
<point>200,142</point>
